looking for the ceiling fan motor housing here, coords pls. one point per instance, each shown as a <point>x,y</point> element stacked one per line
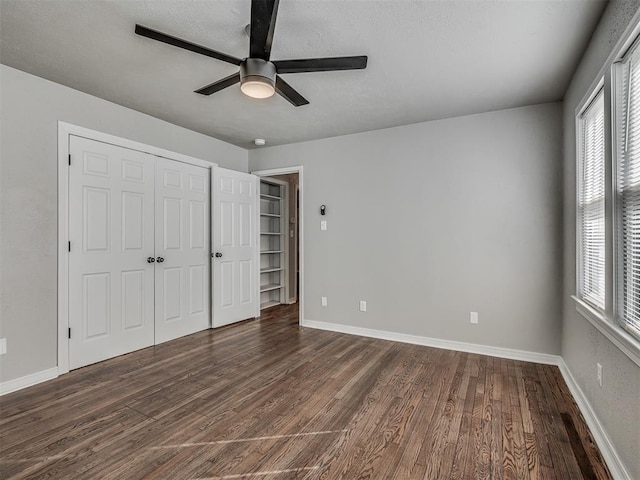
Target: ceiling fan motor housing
<point>257,70</point>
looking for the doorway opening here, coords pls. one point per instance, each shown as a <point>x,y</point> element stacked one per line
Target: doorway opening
<point>281,229</point>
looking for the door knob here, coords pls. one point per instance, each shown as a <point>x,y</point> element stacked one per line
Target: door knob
<point>218,254</point>
<point>160,259</point>
<point>150,259</point>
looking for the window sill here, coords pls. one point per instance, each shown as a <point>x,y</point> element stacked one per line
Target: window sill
<point>616,334</point>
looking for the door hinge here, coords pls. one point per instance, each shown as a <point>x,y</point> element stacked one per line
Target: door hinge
<point>69,333</point>
<point>69,159</point>
<point>69,246</point>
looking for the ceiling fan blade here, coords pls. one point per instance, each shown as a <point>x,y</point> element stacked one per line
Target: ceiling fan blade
<point>321,64</point>
<point>220,84</point>
<point>177,42</point>
<point>289,93</point>
<point>263,24</point>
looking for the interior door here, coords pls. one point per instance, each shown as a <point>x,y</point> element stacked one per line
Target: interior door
<point>182,249</point>
<point>234,204</point>
<point>111,232</point>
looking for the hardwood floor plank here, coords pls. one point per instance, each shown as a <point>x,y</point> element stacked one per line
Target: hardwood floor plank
<point>519,450</point>
<point>455,402</point>
<point>434,439</point>
<point>509,469</point>
<point>465,434</point>
<point>270,399</point>
<point>532,387</point>
<point>427,392</point>
<point>495,434</point>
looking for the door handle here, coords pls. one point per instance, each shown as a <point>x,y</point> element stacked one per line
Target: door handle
<point>150,259</point>
<point>160,259</point>
<point>218,254</point>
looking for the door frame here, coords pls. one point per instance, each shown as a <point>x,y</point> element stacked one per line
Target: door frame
<point>65,130</point>
<point>284,171</point>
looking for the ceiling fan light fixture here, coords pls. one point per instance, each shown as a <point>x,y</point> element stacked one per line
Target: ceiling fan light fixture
<point>257,87</point>
<point>257,78</point>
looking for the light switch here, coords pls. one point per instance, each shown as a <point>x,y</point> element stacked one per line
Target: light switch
<point>323,224</point>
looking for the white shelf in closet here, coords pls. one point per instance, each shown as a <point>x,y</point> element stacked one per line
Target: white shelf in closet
<point>269,270</point>
<point>273,242</point>
<point>269,287</point>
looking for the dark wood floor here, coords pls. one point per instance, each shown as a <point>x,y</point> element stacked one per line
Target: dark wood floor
<point>267,399</point>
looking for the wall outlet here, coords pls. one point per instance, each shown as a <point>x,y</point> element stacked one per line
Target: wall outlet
<point>323,224</point>
<point>3,346</point>
<point>323,301</point>
<point>363,306</point>
<point>473,317</point>
<point>599,374</point>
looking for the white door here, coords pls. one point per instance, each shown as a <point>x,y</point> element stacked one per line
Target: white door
<point>234,204</point>
<point>111,232</point>
<point>182,249</point>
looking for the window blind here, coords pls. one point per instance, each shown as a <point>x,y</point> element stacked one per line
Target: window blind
<point>591,209</point>
<point>627,192</point>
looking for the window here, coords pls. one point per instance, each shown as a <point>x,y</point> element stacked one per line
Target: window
<point>608,199</point>
<point>627,192</point>
<point>591,212</point>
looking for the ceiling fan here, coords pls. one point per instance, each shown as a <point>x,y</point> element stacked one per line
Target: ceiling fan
<point>259,76</point>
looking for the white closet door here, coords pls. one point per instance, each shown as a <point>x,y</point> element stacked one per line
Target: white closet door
<point>182,249</point>
<point>111,283</point>
<point>234,203</point>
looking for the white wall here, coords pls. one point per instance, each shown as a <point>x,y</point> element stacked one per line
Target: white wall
<point>30,110</point>
<point>430,221</point>
<point>617,405</point>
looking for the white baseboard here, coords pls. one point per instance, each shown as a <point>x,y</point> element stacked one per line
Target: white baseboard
<point>512,354</point>
<point>611,458</point>
<point>28,380</point>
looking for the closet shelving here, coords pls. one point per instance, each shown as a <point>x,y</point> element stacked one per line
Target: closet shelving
<point>272,242</point>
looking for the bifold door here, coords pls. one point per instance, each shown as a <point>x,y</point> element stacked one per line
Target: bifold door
<point>139,248</point>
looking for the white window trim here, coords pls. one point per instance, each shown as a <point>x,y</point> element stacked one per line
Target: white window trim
<point>626,342</point>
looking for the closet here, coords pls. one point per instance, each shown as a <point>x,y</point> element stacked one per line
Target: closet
<point>273,243</point>
<point>139,244</point>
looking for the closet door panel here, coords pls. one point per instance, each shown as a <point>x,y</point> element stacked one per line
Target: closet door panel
<point>111,229</point>
<point>182,249</point>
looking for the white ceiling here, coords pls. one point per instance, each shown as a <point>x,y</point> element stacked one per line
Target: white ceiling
<point>427,59</point>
